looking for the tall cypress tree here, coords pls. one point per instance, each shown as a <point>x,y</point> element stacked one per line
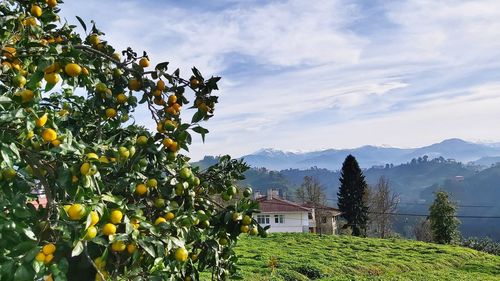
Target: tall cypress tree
<point>352,196</point>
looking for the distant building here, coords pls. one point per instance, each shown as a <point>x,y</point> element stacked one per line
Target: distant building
<point>459,178</point>
<point>282,215</point>
<point>324,220</point>
<point>287,216</point>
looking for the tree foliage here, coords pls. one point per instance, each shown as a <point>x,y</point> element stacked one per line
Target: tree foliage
<point>352,194</point>
<point>311,191</point>
<point>443,221</point>
<point>382,203</point>
<point>123,202</point>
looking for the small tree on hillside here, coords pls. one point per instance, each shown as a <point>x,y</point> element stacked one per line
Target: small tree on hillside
<point>311,191</point>
<point>382,203</point>
<point>351,196</point>
<point>444,223</point>
<point>422,230</point>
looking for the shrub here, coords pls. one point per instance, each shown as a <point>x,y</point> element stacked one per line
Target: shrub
<point>482,244</point>
<point>310,271</point>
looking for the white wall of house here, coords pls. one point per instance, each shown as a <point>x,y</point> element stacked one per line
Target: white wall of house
<point>292,221</point>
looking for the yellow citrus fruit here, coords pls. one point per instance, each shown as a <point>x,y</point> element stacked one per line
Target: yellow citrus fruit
<point>91,233</point>
<point>117,56</point>
<point>85,168</point>
<point>49,249</point>
<point>142,140</point>
<point>169,216</point>
<point>167,142</point>
<point>73,69</point>
<point>30,135</point>
<point>246,220</point>
<point>9,52</point>
<point>48,259</point>
<point>94,39</point>
<point>51,78</point>
<point>36,11</point>
<point>92,156</point>
<point>101,88</point>
<point>116,216</point>
<point>55,143</point>
<point>244,228</point>
<point>40,257</point>
<point>181,254</point>
<point>76,212</point>
<point>195,83</point>
<point>177,107</point>
<point>66,208</point>
<point>85,71</point>
<point>27,95</point>
<point>110,112</point>
<point>131,248</point>
<point>52,68</point>
<point>40,122</point>
<point>169,125</point>
<point>118,246</point>
<point>124,152</point>
<point>49,135</point>
<point>174,146</point>
<point>144,62</point>
<point>135,223</point>
<point>30,21</point>
<point>134,85</point>
<point>172,99</point>
<point>160,220</point>
<point>109,229</point>
<point>152,183</point>
<point>160,85</point>
<point>94,218</point>
<point>141,189</point>
<point>157,93</point>
<point>104,159</point>
<point>121,98</point>
<point>48,278</point>
<point>51,3</point>
<point>19,81</point>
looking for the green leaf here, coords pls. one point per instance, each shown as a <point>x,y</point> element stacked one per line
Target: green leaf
<point>82,23</point>
<point>78,249</point>
<point>4,99</point>
<point>202,131</point>
<point>24,273</point>
<point>197,117</point>
<point>34,79</point>
<point>147,248</point>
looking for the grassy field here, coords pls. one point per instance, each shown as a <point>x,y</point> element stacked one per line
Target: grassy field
<point>297,256</point>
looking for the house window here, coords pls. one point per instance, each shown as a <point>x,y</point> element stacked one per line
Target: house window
<point>279,219</point>
<point>310,216</point>
<point>323,219</point>
<point>263,219</point>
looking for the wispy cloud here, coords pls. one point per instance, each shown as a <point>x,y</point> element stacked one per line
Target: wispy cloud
<point>334,73</point>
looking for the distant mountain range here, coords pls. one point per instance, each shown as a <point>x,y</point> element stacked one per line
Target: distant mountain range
<point>368,156</point>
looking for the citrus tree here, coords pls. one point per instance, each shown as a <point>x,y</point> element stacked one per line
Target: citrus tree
<point>122,202</point>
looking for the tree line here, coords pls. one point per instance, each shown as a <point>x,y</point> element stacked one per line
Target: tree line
<point>370,210</point>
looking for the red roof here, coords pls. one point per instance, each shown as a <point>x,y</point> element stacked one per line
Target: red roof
<point>280,205</point>
<point>322,207</point>
<point>41,201</point>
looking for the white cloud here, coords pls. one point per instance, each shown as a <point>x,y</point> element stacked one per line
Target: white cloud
<point>299,75</point>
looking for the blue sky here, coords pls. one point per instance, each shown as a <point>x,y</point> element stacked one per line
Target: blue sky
<point>308,75</point>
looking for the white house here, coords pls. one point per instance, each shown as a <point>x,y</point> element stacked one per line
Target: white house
<point>282,215</point>
<point>286,216</point>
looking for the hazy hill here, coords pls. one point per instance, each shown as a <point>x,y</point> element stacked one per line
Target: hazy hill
<point>369,156</point>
